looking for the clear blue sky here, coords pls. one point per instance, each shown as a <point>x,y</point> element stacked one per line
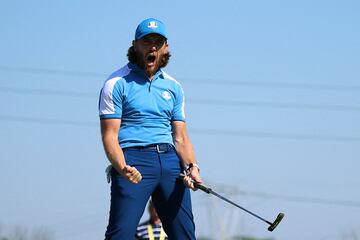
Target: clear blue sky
<point>273,107</point>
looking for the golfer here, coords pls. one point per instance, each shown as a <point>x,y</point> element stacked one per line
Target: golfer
<point>143,129</point>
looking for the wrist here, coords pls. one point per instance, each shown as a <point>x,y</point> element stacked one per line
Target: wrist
<point>191,166</point>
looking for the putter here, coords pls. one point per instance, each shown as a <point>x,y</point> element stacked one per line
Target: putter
<point>208,190</point>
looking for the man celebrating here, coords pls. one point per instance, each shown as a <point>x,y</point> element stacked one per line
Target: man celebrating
<point>144,135</point>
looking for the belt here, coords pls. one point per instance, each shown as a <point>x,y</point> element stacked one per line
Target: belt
<point>160,148</point>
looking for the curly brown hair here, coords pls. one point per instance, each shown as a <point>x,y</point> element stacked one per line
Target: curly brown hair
<point>131,54</point>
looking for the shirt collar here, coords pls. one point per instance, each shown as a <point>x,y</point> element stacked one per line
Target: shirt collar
<point>135,68</point>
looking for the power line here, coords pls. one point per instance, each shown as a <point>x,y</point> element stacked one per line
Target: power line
<point>301,199</point>
<point>234,190</point>
<point>292,85</point>
<point>288,136</point>
<point>203,131</point>
<point>17,90</point>
<point>278,105</point>
<point>48,71</point>
<point>322,201</point>
<point>9,118</point>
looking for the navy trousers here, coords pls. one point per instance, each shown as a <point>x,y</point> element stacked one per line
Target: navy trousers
<point>159,170</point>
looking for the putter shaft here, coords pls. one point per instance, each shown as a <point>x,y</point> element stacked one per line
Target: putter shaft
<point>208,190</point>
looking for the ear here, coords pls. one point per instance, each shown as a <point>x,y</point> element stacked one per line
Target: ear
<point>166,45</point>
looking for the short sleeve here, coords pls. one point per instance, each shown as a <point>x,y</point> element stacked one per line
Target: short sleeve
<point>110,100</point>
<point>179,106</point>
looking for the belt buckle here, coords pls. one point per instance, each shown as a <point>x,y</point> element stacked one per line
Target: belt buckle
<point>158,149</point>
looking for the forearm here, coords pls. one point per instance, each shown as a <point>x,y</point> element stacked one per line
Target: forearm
<point>110,133</point>
<point>185,150</point>
<point>114,152</point>
<point>186,154</point>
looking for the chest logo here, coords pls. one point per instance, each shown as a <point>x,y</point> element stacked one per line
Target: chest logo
<point>166,95</point>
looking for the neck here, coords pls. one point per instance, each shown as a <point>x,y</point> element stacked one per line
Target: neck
<point>150,76</point>
<point>150,73</point>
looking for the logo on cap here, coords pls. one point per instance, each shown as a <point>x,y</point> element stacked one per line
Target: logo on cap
<point>152,24</point>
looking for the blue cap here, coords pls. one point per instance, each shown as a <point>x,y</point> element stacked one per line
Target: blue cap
<point>148,26</point>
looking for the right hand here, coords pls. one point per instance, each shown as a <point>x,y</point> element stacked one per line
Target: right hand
<point>131,174</point>
<point>192,176</point>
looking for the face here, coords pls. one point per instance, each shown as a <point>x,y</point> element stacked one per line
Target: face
<point>149,51</point>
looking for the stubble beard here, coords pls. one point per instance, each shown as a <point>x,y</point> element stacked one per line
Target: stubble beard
<point>150,71</point>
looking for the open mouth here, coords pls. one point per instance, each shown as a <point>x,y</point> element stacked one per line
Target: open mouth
<point>150,59</point>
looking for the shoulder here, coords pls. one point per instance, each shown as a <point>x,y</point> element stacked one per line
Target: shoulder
<point>170,78</point>
<point>175,85</point>
<point>145,223</point>
<point>120,73</point>
<point>116,77</point>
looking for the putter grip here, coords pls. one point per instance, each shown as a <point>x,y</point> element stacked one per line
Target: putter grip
<point>197,185</point>
<point>202,187</point>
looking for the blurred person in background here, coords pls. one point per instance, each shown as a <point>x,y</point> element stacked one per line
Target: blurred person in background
<point>151,229</point>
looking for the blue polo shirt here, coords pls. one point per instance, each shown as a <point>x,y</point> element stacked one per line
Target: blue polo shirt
<point>146,108</point>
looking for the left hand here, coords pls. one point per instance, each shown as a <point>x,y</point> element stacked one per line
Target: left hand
<point>192,176</point>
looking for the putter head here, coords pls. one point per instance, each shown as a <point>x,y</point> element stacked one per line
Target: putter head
<point>276,222</point>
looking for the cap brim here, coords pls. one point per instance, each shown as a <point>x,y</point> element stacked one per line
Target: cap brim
<point>147,33</point>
